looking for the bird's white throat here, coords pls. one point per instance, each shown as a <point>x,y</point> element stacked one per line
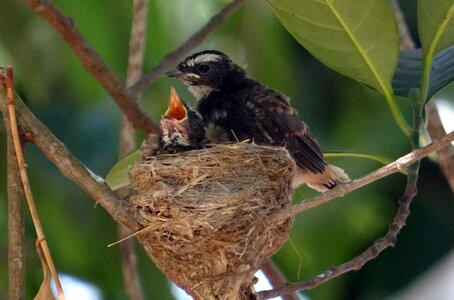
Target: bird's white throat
<point>200,91</point>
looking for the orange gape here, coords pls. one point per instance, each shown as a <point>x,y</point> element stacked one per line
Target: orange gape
<point>176,108</point>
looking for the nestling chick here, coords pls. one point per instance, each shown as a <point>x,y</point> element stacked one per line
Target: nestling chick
<point>182,129</point>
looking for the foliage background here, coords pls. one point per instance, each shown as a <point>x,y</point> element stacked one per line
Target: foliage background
<point>344,116</point>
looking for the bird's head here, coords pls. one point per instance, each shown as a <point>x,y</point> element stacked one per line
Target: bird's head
<point>182,127</point>
<point>207,71</point>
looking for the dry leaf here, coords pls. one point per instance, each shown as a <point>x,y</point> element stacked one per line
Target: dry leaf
<point>45,291</point>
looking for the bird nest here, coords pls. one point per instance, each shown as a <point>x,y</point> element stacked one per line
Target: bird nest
<point>205,215</point>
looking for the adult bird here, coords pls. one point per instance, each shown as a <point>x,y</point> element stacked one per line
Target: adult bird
<point>235,108</point>
<point>182,129</point>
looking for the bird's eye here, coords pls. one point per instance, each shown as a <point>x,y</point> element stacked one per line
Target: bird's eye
<point>204,68</point>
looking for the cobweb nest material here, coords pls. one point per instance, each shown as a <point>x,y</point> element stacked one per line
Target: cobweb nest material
<point>205,213</point>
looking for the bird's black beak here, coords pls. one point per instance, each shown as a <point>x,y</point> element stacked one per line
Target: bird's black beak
<point>174,74</point>
<point>187,78</point>
<point>176,109</point>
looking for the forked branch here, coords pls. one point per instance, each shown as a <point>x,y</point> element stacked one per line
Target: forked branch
<point>93,63</point>
<point>388,240</point>
<point>34,131</point>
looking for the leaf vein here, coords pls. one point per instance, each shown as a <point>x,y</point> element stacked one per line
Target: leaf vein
<point>306,20</point>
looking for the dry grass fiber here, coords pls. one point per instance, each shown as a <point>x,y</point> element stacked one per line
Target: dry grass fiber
<point>204,211</point>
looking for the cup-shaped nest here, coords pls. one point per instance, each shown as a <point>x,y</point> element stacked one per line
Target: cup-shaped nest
<point>206,215</point>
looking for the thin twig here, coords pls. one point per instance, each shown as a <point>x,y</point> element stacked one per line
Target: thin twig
<point>346,188</point>
<point>276,278</point>
<point>93,63</point>
<point>388,240</point>
<point>137,41</point>
<point>174,57</point>
<point>406,41</point>
<point>35,132</point>
<point>131,279</point>
<point>135,62</point>
<point>15,191</point>
<point>26,185</point>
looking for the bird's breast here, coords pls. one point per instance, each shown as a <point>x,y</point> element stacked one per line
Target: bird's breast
<point>216,133</point>
<point>219,115</point>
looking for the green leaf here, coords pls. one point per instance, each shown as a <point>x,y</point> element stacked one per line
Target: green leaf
<point>435,24</point>
<point>118,176</point>
<point>356,38</point>
<point>436,31</point>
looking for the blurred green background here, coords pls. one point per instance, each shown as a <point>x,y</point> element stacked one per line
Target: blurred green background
<point>344,115</point>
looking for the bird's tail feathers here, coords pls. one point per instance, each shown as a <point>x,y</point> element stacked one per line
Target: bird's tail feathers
<point>322,182</point>
<point>338,174</point>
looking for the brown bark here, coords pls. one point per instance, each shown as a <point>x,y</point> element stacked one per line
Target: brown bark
<point>16,196</point>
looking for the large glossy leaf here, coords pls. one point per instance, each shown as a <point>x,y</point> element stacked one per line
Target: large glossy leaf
<point>356,38</point>
<point>118,176</point>
<point>435,24</point>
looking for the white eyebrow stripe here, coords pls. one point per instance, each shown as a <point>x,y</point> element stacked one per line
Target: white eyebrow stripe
<point>189,62</point>
<point>208,57</point>
<point>203,58</point>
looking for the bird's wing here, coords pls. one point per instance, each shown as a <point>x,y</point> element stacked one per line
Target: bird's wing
<point>283,127</point>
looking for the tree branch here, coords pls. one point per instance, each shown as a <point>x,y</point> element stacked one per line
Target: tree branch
<point>276,278</point>
<point>130,273</point>
<point>388,240</point>
<point>406,41</point>
<point>20,159</point>
<point>93,63</point>
<point>174,57</point>
<point>16,231</point>
<point>137,41</point>
<point>346,188</point>
<point>35,132</point>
